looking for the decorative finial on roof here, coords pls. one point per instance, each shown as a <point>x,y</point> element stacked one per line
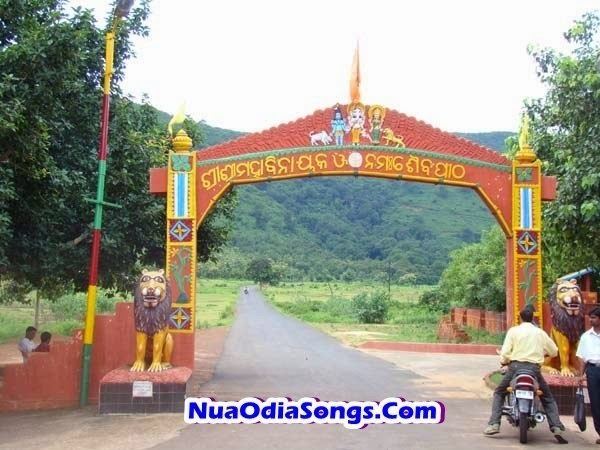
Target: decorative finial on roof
<point>525,153</point>
<point>355,78</point>
<point>182,142</point>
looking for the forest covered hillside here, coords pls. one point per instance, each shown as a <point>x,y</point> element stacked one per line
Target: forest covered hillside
<point>351,228</point>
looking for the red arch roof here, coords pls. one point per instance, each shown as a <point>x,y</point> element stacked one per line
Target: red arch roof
<point>416,135</point>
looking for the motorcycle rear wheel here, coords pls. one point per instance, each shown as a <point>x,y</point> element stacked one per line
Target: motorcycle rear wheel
<point>523,427</point>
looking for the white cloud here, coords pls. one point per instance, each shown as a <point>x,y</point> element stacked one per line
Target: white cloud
<point>460,65</point>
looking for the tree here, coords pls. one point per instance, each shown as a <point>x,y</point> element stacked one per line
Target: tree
<point>475,276</point>
<point>372,307</point>
<point>408,279</point>
<point>566,135</point>
<point>260,270</point>
<point>390,271</point>
<point>50,92</point>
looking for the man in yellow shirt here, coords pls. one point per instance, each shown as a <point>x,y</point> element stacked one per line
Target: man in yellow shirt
<point>524,348</point>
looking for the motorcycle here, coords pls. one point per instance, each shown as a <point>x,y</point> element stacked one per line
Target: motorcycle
<point>522,406</point>
<point>246,291</point>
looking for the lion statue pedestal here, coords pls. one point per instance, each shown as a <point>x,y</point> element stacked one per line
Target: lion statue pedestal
<point>125,392</point>
<point>152,305</point>
<point>568,324</point>
<point>152,384</point>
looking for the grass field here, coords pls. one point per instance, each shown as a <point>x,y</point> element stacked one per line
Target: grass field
<point>286,292</point>
<point>215,306</point>
<point>215,301</point>
<point>327,307</point>
<point>14,320</point>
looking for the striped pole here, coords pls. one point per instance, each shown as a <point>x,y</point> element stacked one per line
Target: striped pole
<point>90,316</point>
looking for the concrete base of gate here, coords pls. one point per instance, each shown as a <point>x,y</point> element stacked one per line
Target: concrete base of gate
<point>125,392</point>
<point>563,389</point>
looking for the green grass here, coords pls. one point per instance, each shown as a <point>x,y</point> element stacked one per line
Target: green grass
<point>313,302</point>
<point>215,301</point>
<point>407,321</point>
<point>496,377</point>
<point>215,306</point>
<point>484,337</point>
<point>286,292</point>
<point>14,320</point>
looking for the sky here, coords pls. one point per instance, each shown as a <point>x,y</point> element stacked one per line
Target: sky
<point>249,65</point>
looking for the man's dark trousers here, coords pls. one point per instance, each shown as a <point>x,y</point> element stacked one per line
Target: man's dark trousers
<point>592,374</point>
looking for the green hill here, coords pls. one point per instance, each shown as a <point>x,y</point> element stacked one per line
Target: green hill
<point>350,228</point>
<point>211,135</point>
<point>216,135</point>
<point>492,139</point>
<point>353,228</point>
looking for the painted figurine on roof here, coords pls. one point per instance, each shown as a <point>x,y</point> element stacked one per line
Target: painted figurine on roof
<point>356,122</point>
<point>376,117</point>
<point>338,126</point>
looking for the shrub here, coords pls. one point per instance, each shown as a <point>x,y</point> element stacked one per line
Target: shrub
<point>435,300</point>
<point>69,306</point>
<point>73,306</point>
<point>227,312</point>
<point>300,306</point>
<point>476,273</point>
<point>339,308</point>
<point>66,328</point>
<point>371,308</point>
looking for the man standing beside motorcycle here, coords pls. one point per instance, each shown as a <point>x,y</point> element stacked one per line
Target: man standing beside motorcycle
<point>589,352</point>
<point>524,347</point>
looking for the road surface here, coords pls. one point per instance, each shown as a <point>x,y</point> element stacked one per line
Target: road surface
<point>270,355</point>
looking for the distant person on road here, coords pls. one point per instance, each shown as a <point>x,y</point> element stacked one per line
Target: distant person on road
<point>589,352</point>
<point>45,344</point>
<point>524,348</point>
<point>26,345</point>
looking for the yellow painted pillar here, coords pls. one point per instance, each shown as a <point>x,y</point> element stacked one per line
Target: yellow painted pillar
<point>182,233</point>
<point>527,228</point>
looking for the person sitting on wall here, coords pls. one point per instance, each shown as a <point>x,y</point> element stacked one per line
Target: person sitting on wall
<point>45,344</point>
<point>26,345</point>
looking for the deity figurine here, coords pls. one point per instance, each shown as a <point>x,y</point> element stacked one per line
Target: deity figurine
<point>376,117</point>
<point>338,126</point>
<point>356,122</point>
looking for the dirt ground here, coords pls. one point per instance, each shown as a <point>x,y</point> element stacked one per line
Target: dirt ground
<point>56,430</point>
<point>9,353</point>
<point>209,346</point>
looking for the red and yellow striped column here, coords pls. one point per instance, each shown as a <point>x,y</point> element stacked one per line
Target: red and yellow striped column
<point>182,234</point>
<point>527,228</point>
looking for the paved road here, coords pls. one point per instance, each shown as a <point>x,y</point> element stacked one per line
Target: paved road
<point>267,354</point>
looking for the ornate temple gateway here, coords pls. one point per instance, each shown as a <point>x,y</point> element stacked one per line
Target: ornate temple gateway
<point>354,139</point>
<point>359,140</point>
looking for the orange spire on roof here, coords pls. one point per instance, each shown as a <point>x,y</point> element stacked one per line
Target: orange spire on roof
<point>355,78</point>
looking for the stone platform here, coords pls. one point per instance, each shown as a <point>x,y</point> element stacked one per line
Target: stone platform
<point>125,392</point>
<point>563,390</point>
